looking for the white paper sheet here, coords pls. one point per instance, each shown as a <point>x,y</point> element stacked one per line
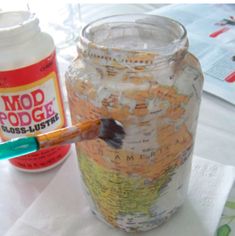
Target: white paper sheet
<point>62,210</point>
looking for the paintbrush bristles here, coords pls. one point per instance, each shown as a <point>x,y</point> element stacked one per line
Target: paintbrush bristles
<point>112,133</point>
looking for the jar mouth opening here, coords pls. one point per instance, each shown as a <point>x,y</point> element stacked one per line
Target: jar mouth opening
<point>135,32</point>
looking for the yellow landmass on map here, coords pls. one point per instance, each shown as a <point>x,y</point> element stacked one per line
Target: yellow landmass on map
<point>116,194</point>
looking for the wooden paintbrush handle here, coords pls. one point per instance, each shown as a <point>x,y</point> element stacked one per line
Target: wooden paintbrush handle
<point>82,131</point>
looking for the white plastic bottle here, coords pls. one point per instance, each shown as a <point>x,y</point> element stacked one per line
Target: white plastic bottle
<point>30,95</point>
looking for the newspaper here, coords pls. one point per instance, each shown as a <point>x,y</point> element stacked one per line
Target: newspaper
<point>211,33</point>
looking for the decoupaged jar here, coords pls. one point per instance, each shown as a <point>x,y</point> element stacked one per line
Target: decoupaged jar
<point>137,70</point>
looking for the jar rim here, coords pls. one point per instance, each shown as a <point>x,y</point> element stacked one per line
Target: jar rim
<point>85,40</point>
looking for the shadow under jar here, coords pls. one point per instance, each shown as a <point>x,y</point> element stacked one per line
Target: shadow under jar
<point>137,70</point>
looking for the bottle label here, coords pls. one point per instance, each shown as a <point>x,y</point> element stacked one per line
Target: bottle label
<point>31,103</point>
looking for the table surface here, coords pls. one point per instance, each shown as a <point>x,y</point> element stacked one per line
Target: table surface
<point>214,141</point>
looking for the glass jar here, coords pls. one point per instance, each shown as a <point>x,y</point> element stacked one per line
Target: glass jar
<point>137,70</point>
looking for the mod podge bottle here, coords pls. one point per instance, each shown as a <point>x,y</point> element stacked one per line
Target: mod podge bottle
<point>30,95</point>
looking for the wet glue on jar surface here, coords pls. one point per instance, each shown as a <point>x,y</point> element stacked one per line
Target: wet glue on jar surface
<point>30,95</point>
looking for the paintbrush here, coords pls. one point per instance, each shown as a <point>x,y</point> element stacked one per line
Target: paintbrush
<point>109,130</point>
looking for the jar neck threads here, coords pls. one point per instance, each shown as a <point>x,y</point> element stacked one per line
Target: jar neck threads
<point>133,41</point>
